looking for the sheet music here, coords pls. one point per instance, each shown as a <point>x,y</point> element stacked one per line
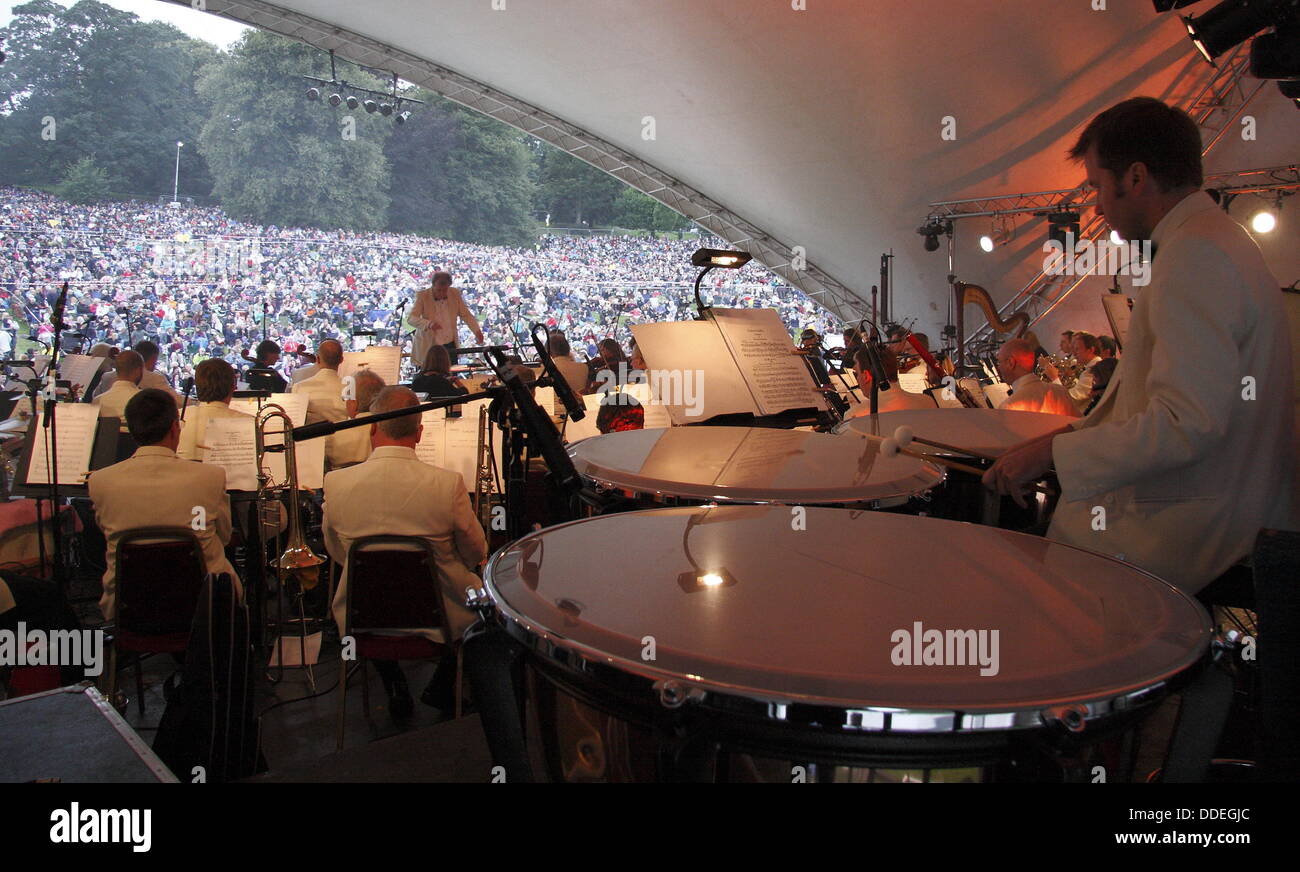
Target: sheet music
<point>76,424</point>
<point>913,382</point>
<point>694,355</point>
<point>452,443</point>
<point>997,393</point>
<point>79,370</point>
<point>231,444</point>
<point>764,352</point>
<point>309,456</point>
<point>976,390</point>
<point>586,428</point>
<point>383,359</point>
<point>656,413</point>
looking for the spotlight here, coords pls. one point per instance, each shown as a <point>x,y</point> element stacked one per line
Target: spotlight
<point>1228,24</point>
<point>370,106</point>
<point>986,243</point>
<point>335,99</point>
<point>1263,222</point>
<point>385,109</point>
<point>1115,238</point>
<point>401,117</point>
<point>932,229</point>
<point>1003,233</point>
<point>313,93</point>
<point>718,257</point>
<point>353,102</point>
<point>1061,225</point>
<point>1276,55</point>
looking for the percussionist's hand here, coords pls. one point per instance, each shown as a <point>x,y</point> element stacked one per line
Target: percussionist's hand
<point>1017,469</point>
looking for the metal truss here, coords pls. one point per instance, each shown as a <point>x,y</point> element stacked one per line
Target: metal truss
<point>822,288</point>
<point>1215,108</point>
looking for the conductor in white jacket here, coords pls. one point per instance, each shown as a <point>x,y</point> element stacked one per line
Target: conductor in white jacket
<point>435,315</point>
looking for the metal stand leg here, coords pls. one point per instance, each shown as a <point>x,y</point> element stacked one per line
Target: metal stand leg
<point>1200,722</point>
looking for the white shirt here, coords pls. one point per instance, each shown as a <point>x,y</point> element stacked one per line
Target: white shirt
<point>112,403</point>
<point>1029,393</point>
<point>324,393</point>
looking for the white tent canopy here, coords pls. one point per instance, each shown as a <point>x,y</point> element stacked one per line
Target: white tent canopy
<point>820,127</point>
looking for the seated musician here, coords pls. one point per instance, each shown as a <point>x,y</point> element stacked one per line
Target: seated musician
<point>261,376</point>
<point>620,411</point>
<point>574,373</point>
<point>150,352</point>
<point>436,379</point>
<point>347,447</point>
<point>1101,376</point>
<point>890,400</point>
<point>1109,347</point>
<point>611,355</point>
<point>129,367</point>
<point>1087,351</point>
<point>394,493</point>
<point>324,390</point>
<point>214,383</point>
<point>155,489</point>
<point>1029,393</point>
<point>914,362</point>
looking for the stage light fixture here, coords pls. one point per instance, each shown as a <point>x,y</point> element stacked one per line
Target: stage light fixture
<point>370,106</point>
<point>1263,221</point>
<point>402,117</point>
<point>353,102</point>
<point>335,99</point>
<point>313,93</point>
<point>1115,238</point>
<point>932,229</point>
<point>1276,55</point>
<point>1061,225</point>
<point>1230,23</point>
<point>986,243</point>
<point>721,258</point>
<point>385,109</point>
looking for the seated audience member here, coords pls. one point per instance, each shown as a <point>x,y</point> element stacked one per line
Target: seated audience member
<point>155,489</point>
<point>324,390</point>
<point>129,367</point>
<point>350,446</point>
<point>436,379</point>
<point>1029,393</point>
<point>261,376</point>
<point>214,383</point>
<point>889,400</point>
<point>394,493</point>
<point>620,411</point>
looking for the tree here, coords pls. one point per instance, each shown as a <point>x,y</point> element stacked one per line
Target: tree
<point>574,192</point>
<point>277,157</point>
<point>635,211</point>
<point>95,82</point>
<point>460,175</point>
<point>84,183</point>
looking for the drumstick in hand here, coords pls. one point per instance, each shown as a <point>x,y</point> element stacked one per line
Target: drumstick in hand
<point>904,437</point>
<point>889,447</point>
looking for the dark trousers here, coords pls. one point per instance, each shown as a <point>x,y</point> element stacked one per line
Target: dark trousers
<point>442,687</point>
<point>451,351</point>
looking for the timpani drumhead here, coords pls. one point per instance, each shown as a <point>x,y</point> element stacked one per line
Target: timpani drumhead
<point>752,464</point>
<point>814,604</point>
<point>988,431</point>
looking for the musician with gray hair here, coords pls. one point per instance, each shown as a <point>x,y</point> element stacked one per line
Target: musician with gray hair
<point>394,493</point>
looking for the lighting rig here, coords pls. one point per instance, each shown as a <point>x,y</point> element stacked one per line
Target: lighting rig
<point>386,103</point>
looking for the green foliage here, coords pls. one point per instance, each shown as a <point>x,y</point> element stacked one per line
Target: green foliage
<point>635,211</point>
<point>98,83</point>
<point>460,175</point>
<point>84,183</point>
<point>574,192</point>
<point>279,158</point>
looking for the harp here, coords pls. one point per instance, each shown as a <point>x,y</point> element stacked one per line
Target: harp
<point>968,295</point>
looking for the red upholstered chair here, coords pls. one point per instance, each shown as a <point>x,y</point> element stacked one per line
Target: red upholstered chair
<point>392,585</point>
<point>159,575</point>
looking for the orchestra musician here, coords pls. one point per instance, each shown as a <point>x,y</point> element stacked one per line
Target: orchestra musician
<point>154,488</point>
<point>151,378</point>
<point>261,376</point>
<point>893,399</point>
<point>395,493</point>
<point>350,446</point>
<point>435,315</point>
<point>574,373</point>
<point>1183,462</point>
<point>214,383</point>
<point>1087,351</point>
<point>129,369</point>
<point>1029,393</point>
<point>324,390</point>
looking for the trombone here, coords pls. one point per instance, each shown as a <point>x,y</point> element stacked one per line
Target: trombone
<point>297,560</point>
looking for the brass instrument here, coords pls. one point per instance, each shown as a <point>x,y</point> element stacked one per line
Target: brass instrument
<point>484,478</point>
<point>297,559</point>
<point>1067,368</point>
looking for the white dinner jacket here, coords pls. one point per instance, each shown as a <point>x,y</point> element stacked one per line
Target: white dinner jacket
<point>324,393</point>
<point>423,313</point>
<point>1190,450</point>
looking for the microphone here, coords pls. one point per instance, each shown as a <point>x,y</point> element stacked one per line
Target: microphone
<point>56,320</point>
<point>575,409</point>
<point>878,377</point>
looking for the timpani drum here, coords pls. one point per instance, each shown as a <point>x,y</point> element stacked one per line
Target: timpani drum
<point>728,643</point>
<point>691,465</point>
<point>987,431</point>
